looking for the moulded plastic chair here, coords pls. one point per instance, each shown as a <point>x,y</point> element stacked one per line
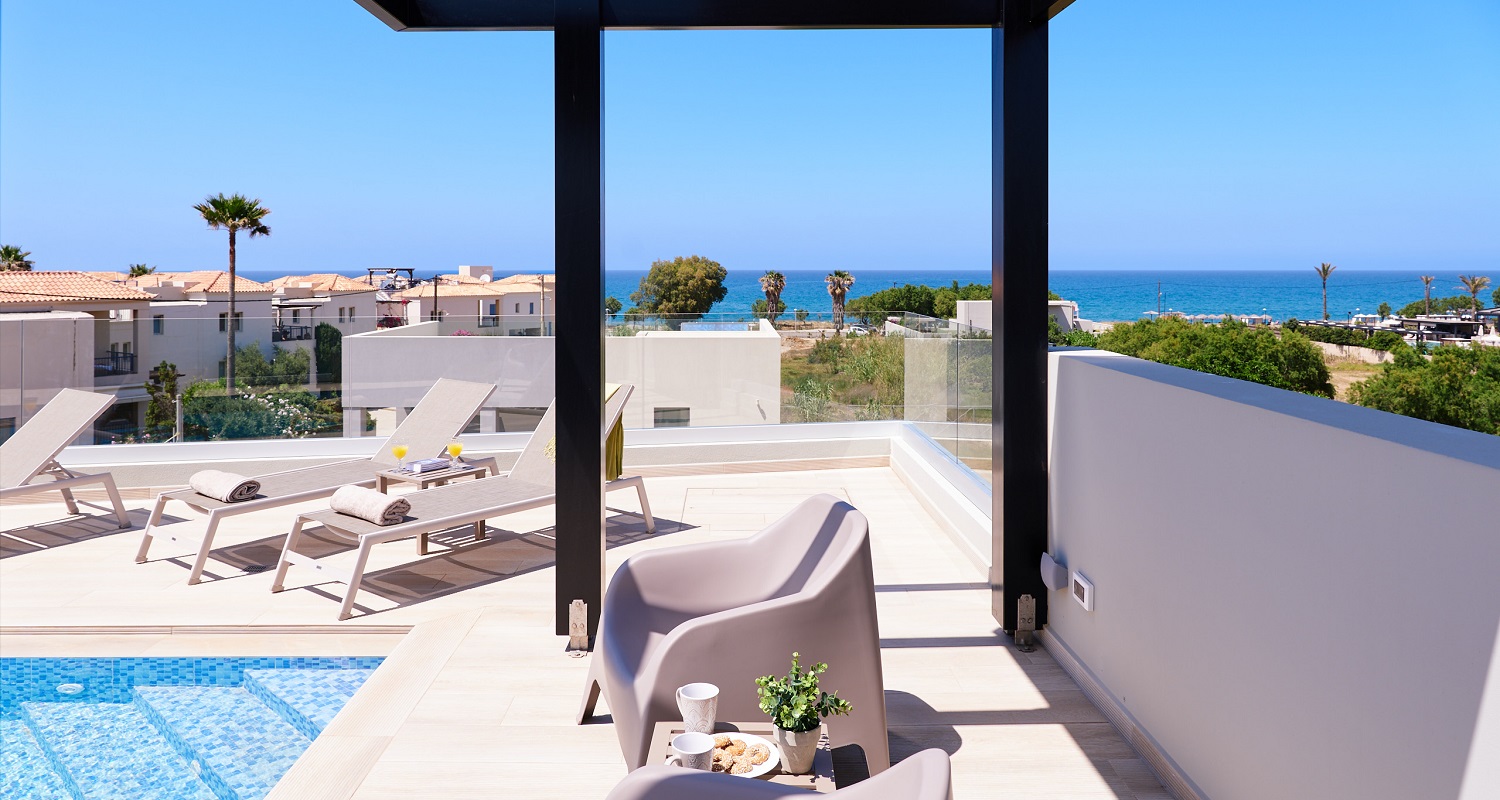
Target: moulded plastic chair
<point>925,776</point>
<point>32,451</point>
<point>729,612</point>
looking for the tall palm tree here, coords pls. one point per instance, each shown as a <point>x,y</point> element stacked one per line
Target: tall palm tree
<point>1324,270</point>
<point>13,259</point>
<point>234,213</point>
<point>838,282</point>
<point>137,270</point>
<point>1427,293</point>
<point>772,283</point>
<point>1474,285</point>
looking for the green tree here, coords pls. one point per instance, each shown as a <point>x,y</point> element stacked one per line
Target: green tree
<point>680,289</point>
<point>1495,298</point>
<point>1458,386</point>
<point>1324,270</point>
<point>760,310</point>
<point>1384,310</point>
<point>328,349</point>
<point>907,299</point>
<point>283,368</point>
<point>800,315</point>
<point>1231,349</point>
<point>1440,305</point>
<point>838,283</point>
<point>772,283</point>
<point>612,306</point>
<point>161,386</point>
<point>1426,294</point>
<point>137,270</point>
<point>14,259</point>
<point>234,213</point>
<point>945,299</point>
<point>1474,284</point>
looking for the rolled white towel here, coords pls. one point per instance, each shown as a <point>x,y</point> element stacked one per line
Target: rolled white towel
<point>226,487</point>
<point>369,505</point>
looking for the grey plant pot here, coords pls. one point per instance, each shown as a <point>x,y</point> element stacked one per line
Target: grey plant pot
<point>797,749</point>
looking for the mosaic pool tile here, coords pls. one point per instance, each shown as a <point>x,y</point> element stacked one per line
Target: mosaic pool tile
<point>112,752</point>
<point>307,698</point>
<point>24,768</point>
<point>243,746</point>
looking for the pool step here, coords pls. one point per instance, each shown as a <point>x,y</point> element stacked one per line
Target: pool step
<point>25,770</point>
<point>111,751</point>
<point>307,698</point>
<point>243,746</point>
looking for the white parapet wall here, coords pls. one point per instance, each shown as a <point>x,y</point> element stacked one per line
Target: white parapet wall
<point>702,378</point>
<point>1292,597</point>
<point>42,353</point>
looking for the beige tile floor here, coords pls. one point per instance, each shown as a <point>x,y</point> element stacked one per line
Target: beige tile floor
<point>480,699</point>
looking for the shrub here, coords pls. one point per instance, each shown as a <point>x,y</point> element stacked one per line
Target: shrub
<point>1231,349</point>
<point>1458,386</point>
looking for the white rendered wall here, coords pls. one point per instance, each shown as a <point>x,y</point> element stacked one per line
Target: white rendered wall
<point>191,338</point>
<point>1293,597</point>
<point>41,354</point>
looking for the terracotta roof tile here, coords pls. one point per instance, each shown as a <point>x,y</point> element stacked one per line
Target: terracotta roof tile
<point>211,281</point>
<point>323,282</point>
<point>62,287</point>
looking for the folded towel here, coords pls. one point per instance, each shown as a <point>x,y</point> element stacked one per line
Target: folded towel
<point>369,505</point>
<point>226,487</point>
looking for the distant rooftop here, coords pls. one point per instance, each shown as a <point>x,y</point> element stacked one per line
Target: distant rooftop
<point>323,282</point>
<point>207,281</point>
<point>62,287</point>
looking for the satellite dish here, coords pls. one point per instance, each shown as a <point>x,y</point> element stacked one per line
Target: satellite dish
<point>486,278</point>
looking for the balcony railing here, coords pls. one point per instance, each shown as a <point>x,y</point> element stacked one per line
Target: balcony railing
<point>291,333</point>
<point>114,363</point>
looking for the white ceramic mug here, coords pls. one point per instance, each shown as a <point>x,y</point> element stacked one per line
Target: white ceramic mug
<point>699,704</point>
<point>692,750</point>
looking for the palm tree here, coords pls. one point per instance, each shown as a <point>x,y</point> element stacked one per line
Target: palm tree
<point>13,259</point>
<point>1474,285</point>
<point>1427,293</point>
<point>234,213</point>
<point>772,283</point>
<point>137,270</point>
<point>838,282</point>
<point>1324,270</point>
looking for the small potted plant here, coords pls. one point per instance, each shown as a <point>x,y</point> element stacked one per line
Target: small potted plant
<point>797,707</point>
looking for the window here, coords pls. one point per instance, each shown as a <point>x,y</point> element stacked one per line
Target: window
<point>158,325</point>
<point>351,313</point>
<point>223,323</point>
<point>341,315</point>
<point>239,321</point>
<point>125,347</point>
<point>7,428</point>
<point>296,316</point>
<point>671,417</point>
<point>531,308</point>
<point>518,308</point>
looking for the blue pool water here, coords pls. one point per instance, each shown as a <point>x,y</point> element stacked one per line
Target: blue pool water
<point>163,728</point>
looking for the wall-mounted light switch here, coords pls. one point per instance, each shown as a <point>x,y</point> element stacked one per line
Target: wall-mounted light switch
<point>1083,591</point>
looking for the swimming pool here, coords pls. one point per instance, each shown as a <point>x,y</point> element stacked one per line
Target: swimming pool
<point>164,728</point>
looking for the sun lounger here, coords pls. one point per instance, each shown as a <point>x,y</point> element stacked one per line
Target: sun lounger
<point>529,484</point>
<point>31,452</point>
<point>439,418</point>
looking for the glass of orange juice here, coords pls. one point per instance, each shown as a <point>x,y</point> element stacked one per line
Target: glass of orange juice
<point>454,449</point>
<point>399,451</point>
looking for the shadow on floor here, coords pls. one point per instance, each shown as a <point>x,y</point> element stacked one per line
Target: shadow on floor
<point>456,564</point>
<point>96,522</point>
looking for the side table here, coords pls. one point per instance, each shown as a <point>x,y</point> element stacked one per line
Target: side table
<point>472,468</point>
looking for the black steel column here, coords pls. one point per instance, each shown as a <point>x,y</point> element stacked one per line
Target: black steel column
<point>1019,274</point>
<point>578,44</point>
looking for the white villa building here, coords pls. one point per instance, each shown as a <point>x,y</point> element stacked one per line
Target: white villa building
<point>519,305</point>
<point>188,319</point>
<point>303,302</point>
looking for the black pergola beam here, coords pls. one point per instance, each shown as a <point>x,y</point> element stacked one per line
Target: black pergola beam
<point>1018,519</point>
<point>578,87</point>
<point>524,15</point>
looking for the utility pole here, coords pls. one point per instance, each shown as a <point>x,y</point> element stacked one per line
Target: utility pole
<point>1158,298</point>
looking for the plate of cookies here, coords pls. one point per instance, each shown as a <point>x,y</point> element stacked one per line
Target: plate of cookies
<point>744,754</point>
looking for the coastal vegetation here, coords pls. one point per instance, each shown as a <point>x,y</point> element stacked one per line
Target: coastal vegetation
<point>14,259</point>
<point>681,289</point>
<point>1324,270</point>
<point>233,213</point>
<point>861,377</point>
<point>278,404</point>
<point>1457,386</point>
<point>772,283</point>
<point>1474,284</point>
<point>1441,305</point>
<point>1232,349</point>
<point>1375,340</point>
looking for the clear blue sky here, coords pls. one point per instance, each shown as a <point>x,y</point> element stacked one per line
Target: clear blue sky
<point>1184,135</point>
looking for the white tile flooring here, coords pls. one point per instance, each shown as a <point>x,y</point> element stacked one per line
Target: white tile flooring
<point>481,699</point>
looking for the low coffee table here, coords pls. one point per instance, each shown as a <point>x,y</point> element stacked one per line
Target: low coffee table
<point>819,780</point>
<point>475,468</point>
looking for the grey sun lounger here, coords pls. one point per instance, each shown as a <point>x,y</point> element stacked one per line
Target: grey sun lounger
<point>31,452</point>
<point>926,775</point>
<point>529,484</point>
<point>729,612</point>
<point>440,417</point>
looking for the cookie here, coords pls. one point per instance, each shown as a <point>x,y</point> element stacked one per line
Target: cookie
<point>758,754</point>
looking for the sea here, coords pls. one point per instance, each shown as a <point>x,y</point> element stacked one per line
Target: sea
<point>1103,295</point>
